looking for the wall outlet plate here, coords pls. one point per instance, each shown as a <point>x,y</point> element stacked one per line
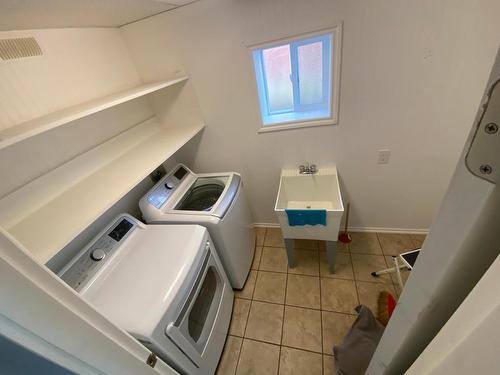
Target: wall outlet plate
<point>157,174</point>
<point>383,156</point>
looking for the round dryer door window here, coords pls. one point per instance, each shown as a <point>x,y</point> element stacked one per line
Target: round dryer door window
<point>202,195</point>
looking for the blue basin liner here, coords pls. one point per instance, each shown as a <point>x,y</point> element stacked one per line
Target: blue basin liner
<point>298,217</point>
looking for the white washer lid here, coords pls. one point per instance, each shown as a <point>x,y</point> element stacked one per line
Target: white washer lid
<point>146,275</point>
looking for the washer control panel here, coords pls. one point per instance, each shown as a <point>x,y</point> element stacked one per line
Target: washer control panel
<point>86,264</point>
<point>167,186</point>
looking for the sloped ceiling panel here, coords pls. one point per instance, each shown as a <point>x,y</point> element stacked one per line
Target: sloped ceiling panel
<point>40,14</point>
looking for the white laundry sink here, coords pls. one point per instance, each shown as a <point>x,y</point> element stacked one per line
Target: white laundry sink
<point>319,191</point>
<point>310,191</point>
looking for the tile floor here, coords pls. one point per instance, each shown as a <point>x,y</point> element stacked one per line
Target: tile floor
<point>287,320</point>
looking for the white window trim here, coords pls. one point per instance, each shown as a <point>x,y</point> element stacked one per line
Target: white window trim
<point>336,49</point>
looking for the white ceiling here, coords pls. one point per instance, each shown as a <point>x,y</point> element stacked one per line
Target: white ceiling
<point>41,14</point>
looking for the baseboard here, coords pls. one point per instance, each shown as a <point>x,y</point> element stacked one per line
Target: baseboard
<point>388,230</point>
<point>359,229</point>
<point>266,225</point>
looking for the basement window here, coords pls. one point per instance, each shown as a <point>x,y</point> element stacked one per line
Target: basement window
<point>297,80</point>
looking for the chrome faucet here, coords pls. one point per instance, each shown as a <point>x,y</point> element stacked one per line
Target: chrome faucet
<point>308,169</point>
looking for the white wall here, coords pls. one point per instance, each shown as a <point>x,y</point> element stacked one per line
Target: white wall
<point>412,77</point>
<point>77,65</point>
<point>462,245</point>
<point>29,159</point>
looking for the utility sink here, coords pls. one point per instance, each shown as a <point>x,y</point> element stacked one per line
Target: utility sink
<point>310,191</point>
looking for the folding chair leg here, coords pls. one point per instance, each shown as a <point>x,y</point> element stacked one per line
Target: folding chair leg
<point>398,267</point>
<point>383,272</point>
<point>389,270</point>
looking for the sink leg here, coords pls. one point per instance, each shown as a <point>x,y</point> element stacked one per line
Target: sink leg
<point>290,251</point>
<point>331,253</point>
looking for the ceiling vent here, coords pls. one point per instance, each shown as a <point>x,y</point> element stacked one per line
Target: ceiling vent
<point>17,48</point>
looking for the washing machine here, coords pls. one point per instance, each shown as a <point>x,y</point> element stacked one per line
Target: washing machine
<point>164,284</point>
<point>214,200</point>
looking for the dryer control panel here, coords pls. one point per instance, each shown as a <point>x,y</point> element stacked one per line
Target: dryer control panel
<point>167,186</point>
<point>80,271</point>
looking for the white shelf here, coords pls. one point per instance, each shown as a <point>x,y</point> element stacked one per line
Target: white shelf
<point>46,214</point>
<point>39,125</point>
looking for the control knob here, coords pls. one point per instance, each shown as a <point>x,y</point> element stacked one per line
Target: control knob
<point>97,254</point>
<point>169,185</point>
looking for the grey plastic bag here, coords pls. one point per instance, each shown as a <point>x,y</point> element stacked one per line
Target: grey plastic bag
<point>353,355</point>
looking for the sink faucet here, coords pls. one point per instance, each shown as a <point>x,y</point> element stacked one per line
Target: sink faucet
<point>308,169</point>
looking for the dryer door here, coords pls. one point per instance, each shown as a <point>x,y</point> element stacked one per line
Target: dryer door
<point>199,319</point>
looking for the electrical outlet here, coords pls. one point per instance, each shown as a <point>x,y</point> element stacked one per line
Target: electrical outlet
<point>383,156</point>
<point>157,174</point>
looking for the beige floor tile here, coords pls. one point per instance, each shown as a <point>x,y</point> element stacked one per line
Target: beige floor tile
<point>265,322</point>
<point>329,365</point>
<point>364,265</point>
<point>398,290</point>
<point>306,263</point>
<point>404,272</point>
<point>338,295</point>
<point>395,243</point>
<point>239,317</point>
<point>260,234</point>
<point>306,244</point>
<point>274,238</point>
<point>258,358</point>
<point>256,258</point>
<point>369,292</point>
<point>343,266</point>
<point>270,287</point>
<point>341,247</point>
<point>417,239</point>
<point>247,291</point>
<point>273,259</point>
<point>300,362</point>
<point>302,328</point>
<point>335,327</point>
<point>230,355</point>
<point>364,243</point>
<point>303,291</point>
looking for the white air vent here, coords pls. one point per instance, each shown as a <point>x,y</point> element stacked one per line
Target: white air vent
<point>17,48</point>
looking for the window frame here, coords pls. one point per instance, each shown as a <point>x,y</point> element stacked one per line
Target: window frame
<point>295,42</point>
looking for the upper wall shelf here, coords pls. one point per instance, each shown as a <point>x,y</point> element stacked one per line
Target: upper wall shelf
<point>39,125</point>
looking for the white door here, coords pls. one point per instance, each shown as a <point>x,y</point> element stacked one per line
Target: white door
<point>57,328</point>
<point>469,341</point>
<point>463,242</point>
